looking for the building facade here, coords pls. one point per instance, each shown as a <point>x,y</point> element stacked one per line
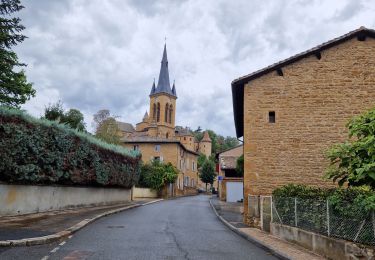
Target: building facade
<point>292,112</point>
<point>230,183</point>
<point>158,138</point>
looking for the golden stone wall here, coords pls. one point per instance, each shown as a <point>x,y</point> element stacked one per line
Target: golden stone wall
<point>313,102</point>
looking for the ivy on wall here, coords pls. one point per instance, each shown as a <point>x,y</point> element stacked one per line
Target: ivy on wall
<point>35,151</point>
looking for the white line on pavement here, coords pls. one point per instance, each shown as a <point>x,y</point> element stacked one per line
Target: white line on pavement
<point>55,249</point>
<point>62,243</point>
<point>45,258</point>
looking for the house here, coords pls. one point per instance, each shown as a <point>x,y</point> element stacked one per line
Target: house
<point>290,113</point>
<point>230,182</point>
<point>157,137</point>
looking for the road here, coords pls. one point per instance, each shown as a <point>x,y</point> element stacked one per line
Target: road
<point>184,228</point>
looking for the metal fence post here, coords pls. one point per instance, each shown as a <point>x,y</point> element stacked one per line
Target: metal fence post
<point>295,212</point>
<point>271,209</point>
<point>328,219</point>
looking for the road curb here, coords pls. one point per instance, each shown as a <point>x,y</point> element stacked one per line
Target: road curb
<point>253,240</point>
<point>69,231</point>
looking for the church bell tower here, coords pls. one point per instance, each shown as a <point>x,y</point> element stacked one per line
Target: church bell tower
<point>163,102</point>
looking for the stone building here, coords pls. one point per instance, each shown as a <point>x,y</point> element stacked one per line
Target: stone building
<point>230,183</point>
<point>157,137</point>
<point>291,112</point>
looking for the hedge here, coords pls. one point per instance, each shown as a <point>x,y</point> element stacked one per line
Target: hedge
<point>35,151</point>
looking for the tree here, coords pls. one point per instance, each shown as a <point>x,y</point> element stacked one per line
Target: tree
<point>207,173</point>
<point>201,159</point>
<point>14,88</point>
<point>106,127</point>
<point>240,165</point>
<point>54,112</point>
<point>72,118</point>
<point>353,162</point>
<point>156,175</point>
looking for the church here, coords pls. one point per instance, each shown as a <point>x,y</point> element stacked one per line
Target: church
<point>158,138</point>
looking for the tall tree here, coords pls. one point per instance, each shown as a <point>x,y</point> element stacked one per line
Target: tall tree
<point>14,88</point>
<point>207,174</point>
<point>106,127</point>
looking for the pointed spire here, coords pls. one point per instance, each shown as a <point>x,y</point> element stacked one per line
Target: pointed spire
<point>174,88</point>
<point>145,117</point>
<point>206,137</point>
<point>164,85</point>
<point>153,88</point>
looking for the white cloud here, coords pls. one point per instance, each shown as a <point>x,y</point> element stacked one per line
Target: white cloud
<point>104,54</point>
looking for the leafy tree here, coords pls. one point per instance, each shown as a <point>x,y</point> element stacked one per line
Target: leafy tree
<point>201,159</point>
<point>353,162</point>
<point>207,173</point>
<point>156,175</point>
<point>73,117</point>
<point>54,112</point>
<point>14,88</point>
<point>106,127</point>
<point>240,165</point>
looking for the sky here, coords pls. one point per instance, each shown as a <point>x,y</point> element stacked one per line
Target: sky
<point>105,54</point>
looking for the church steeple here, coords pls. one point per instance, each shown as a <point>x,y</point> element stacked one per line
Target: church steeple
<point>164,85</point>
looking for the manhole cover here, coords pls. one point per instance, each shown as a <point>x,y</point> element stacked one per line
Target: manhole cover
<point>115,226</point>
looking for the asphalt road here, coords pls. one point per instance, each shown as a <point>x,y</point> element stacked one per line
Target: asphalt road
<point>184,228</point>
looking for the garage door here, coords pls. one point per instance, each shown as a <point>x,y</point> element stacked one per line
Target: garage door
<point>234,191</point>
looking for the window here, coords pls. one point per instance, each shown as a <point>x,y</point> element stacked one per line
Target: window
<point>136,147</point>
<point>192,183</point>
<point>167,135</point>
<point>158,112</point>
<point>157,158</point>
<point>154,111</point>
<point>180,164</point>
<point>157,148</point>
<point>170,113</point>
<point>166,113</point>
<point>184,138</point>
<point>193,166</point>
<point>271,117</point>
<point>186,182</point>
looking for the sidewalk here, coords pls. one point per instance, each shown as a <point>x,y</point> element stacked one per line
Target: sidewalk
<point>45,227</point>
<point>231,215</point>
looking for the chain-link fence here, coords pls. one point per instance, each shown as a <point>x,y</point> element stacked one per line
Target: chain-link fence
<point>320,216</point>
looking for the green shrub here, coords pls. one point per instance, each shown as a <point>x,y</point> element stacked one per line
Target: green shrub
<point>35,151</point>
<point>156,175</point>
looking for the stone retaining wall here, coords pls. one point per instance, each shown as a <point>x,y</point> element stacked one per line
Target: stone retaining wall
<point>24,199</point>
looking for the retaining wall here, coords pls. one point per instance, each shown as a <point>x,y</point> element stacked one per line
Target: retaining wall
<point>144,193</point>
<point>24,199</point>
<point>326,246</point>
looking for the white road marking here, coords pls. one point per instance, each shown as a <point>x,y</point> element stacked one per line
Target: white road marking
<point>62,243</point>
<point>70,236</point>
<point>55,249</point>
<point>45,258</point>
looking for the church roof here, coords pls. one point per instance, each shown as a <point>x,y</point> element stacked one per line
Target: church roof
<point>145,117</point>
<point>125,127</point>
<point>164,85</point>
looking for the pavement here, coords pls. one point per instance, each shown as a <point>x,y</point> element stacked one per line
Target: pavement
<point>183,228</point>
<point>231,214</point>
<point>30,227</point>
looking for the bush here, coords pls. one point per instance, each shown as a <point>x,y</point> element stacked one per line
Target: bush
<point>353,162</point>
<point>156,175</point>
<point>35,151</point>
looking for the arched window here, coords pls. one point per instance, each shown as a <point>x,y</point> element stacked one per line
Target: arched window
<point>154,111</point>
<point>167,135</point>
<point>170,113</point>
<point>166,113</point>
<point>158,112</point>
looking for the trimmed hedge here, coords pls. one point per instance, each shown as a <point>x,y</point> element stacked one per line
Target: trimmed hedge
<point>35,151</point>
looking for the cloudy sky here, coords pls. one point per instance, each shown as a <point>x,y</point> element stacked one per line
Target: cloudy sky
<point>95,54</point>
